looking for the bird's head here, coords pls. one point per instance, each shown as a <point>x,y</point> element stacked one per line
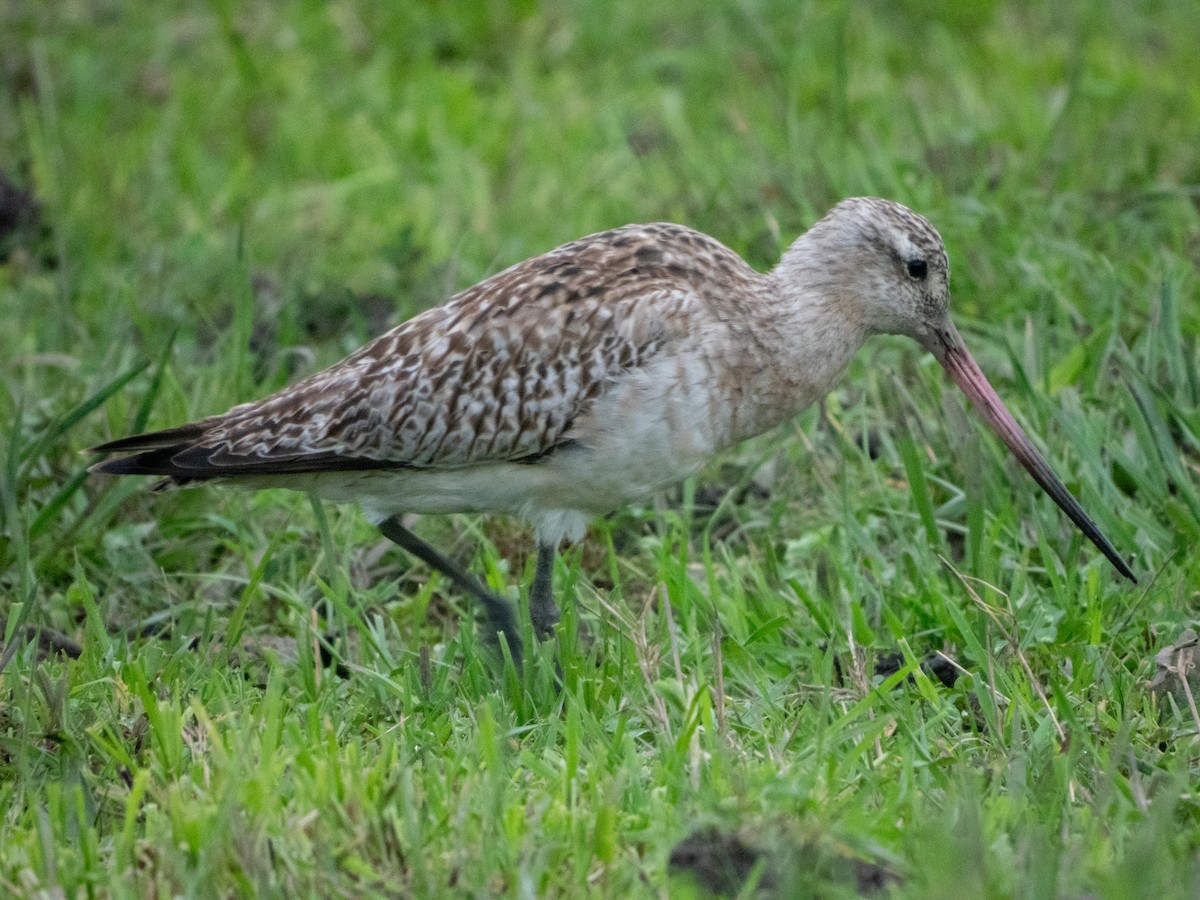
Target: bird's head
<point>884,264</point>
<point>884,268</point>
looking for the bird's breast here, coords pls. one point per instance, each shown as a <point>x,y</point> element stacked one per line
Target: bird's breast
<point>650,428</point>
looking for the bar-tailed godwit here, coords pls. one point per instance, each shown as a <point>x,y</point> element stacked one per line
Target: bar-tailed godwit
<point>589,377</point>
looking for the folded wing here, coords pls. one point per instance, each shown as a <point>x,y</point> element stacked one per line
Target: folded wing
<point>498,373</point>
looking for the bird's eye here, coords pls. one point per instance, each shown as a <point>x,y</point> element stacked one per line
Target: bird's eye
<point>917,269</point>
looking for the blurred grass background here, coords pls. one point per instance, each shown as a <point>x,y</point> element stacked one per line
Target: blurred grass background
<point>211,199</point>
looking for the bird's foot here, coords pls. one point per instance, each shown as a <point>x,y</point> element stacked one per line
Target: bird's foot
<point>501,625</point>
<point>544,617</point>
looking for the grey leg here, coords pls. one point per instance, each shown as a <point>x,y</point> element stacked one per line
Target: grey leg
<point>543,611</point>
<point>497,610</point>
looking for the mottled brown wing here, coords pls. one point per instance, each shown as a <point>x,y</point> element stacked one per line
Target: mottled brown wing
<point>499,372</point>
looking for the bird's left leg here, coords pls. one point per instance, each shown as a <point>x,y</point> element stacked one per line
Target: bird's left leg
<point>543,611</point>
<point>496,609</point>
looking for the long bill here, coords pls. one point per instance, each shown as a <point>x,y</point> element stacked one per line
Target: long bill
<point>950,350</point>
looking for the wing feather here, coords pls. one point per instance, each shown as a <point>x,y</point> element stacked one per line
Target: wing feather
<point>497,373</point>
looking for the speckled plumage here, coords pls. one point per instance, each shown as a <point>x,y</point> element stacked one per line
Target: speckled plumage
<point>500,372</point>
<point>590,376</point>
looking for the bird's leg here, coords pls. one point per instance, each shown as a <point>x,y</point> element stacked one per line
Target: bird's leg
<point>497,610</point>
<point>543,611</point>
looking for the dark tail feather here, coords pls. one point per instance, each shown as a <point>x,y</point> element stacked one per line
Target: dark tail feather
<point>158,461</point>
<point>184,461</point>
<point>177,438</point>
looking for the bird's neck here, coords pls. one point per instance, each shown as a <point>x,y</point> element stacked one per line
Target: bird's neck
<point>813,334</point>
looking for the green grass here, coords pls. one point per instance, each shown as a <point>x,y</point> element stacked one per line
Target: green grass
<point>234,195</point>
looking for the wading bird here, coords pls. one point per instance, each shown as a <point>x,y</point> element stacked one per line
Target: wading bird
<point>589,377</point>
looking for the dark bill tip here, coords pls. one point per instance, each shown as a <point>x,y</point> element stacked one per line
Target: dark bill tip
<point>950,350</point>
